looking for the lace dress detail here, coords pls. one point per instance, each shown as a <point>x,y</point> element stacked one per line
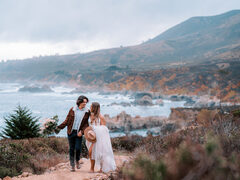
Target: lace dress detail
<point>102,151</point>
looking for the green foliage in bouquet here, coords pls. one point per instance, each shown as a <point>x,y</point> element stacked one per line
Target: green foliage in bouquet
<point>21,125</point>
<point>49,126</point>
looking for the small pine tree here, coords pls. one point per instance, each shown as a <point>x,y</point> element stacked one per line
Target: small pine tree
<point>21,125</point>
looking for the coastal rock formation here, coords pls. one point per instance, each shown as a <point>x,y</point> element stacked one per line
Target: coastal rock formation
<point>35,89</point>
<point>163,130</point>
<point>179,118</point>
<point>144,101</point>
<point>124,104</point>
<point>139,95</point>
<point>206,101</point>
<point>195,80</point>
<point>187,114</point>
<point>185,117</point>
<point>155,125</point>
<point>124,122</point>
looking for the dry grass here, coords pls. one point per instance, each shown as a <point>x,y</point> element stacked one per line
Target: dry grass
<point>208,151</point>
<point>205,117</point>
<point>33,155</point>
<point>127,143</point>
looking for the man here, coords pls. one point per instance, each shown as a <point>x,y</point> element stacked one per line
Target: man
<point>76,122</point>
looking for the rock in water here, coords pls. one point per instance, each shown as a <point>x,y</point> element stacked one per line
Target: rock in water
<point>35,89</point>
<point>144,101</point>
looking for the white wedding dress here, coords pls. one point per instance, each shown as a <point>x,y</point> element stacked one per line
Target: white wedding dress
<point>102,151</point>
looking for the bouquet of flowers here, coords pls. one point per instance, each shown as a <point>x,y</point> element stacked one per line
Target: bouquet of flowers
<point>49,126</point>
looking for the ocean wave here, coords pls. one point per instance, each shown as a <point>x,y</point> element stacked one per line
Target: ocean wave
<point>61,89</point>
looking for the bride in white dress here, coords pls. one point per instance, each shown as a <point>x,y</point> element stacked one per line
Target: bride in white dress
<point>100,152</point>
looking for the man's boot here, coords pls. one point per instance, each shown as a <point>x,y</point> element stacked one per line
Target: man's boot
<point>72,169</point>
<point>78,165</point>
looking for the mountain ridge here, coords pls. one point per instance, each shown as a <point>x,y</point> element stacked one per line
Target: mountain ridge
<point>189,45</point>
<point>203,19</point>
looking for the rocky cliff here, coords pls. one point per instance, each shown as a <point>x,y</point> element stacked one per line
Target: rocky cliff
<point>180,118</point>
<point>124,122</point>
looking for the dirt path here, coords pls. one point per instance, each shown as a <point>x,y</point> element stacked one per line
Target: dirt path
<point>61,171</point>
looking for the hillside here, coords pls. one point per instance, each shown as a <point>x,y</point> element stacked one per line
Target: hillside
<point>195,40</point>
<point>203,38</point>
<point>199,55</point>
<point>219,79</point>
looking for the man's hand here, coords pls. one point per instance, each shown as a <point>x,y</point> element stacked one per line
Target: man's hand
<point>79,134</point>
<point>57,130</point>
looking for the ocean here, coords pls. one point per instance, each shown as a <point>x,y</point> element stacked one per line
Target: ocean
<point>46,105</point>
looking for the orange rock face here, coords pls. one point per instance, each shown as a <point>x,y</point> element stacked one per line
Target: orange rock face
<point>196,80</point>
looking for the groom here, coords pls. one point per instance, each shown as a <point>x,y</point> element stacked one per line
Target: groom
<point>76,122</point>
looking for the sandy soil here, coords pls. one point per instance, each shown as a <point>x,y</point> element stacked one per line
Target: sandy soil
<point>62,171</point>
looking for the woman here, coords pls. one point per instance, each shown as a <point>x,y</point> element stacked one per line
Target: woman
<point>100,152</point>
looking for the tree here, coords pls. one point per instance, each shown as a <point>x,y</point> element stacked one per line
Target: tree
<point>21,124</point>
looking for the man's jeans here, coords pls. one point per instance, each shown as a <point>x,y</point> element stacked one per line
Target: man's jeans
<point>75,142</point>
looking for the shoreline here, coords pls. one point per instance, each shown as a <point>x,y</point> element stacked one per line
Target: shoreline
<point>75,89</point>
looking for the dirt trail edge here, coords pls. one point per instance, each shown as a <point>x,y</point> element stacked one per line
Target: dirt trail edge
<point>62,171</point>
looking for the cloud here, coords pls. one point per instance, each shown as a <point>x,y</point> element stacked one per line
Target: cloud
<point>22,50</point>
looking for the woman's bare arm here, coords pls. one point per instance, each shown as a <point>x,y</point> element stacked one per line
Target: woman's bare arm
<point>103,121</point>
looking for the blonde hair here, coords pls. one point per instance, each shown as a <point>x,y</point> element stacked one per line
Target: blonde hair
<point>95,110</point>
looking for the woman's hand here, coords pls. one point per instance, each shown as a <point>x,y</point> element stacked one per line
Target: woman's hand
<point>79,134</point>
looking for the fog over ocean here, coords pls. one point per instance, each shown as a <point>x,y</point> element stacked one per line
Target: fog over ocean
<point>46,105</point>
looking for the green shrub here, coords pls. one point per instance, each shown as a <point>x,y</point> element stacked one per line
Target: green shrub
<point>128,143</point>
<point>193,153</point>
<point>7,171</point>
<point>144,168</point>
<point>12,159</point>
<point>223,72</point>
<point>236,113</point>
<point>210,147</point>
<point>184,154</point>
<point>21,125</point>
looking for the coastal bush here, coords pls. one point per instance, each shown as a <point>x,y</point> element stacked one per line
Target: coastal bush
<point>205,117</point>
<point>34,155</point>
<point>12,158</point>
<point>6,171</point>
<point>187,161</point>
<point>21,125</point>
<point>201,152</point>
<point>236,113</point>
<point>144,168</point>
<point>128,143</point>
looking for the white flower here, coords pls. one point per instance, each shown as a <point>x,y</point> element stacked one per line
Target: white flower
<point>49,125</point>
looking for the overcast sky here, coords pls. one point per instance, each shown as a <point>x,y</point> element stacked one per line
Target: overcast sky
<point>47,27</point>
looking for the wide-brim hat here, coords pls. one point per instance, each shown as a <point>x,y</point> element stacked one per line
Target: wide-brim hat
<point>90,135</point>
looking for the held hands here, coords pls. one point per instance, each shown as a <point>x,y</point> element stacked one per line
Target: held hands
<point>57,130</point>
<point>79,134</point>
